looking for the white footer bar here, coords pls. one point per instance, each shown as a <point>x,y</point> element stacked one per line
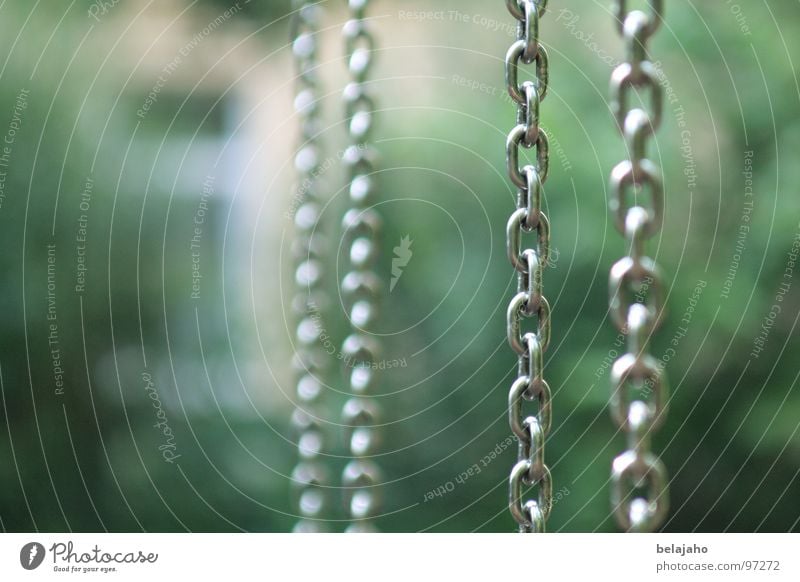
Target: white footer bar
<point>388,557</point>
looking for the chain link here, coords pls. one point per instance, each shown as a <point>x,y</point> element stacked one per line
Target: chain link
<point>639,495</point>
<point>361,287</point>
<point>309,478</point>
<point>532,430</point>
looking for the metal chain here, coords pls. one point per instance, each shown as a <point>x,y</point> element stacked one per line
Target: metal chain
<point>639,388</point>
<point>309,477</point>
<point>361,287</point>
<point>532,430</point>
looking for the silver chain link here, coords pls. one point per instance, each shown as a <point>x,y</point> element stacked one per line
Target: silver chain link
<point>310,481</point>
<point>531,430</point>
<point>361,287</point>
<point>639,388</point>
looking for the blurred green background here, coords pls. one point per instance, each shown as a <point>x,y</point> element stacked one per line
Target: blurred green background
<point>112,140</point>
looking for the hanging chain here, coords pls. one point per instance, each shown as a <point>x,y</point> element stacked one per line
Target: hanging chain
<point>361,288</point>
<point>309,476</point>
<point>639,389</point>
<point>530,469</point>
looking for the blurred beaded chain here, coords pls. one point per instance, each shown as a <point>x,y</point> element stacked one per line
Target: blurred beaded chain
<point>530,469</point>
<point>361,287</point>
<point>309,478</point>
<point>639,389</point>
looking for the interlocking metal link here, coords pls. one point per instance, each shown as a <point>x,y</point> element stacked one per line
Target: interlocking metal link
<point>309,478</point>
<point>361,287</point>
<point>529,302</point>
<point>639,388</point>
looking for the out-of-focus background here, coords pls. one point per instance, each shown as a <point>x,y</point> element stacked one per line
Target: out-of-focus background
<point>137,395</point>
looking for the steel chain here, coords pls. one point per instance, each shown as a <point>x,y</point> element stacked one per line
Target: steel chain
<point>361,287</point>
<point>639,389</point>
<point>531,430</point>
<point>309,478</point>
